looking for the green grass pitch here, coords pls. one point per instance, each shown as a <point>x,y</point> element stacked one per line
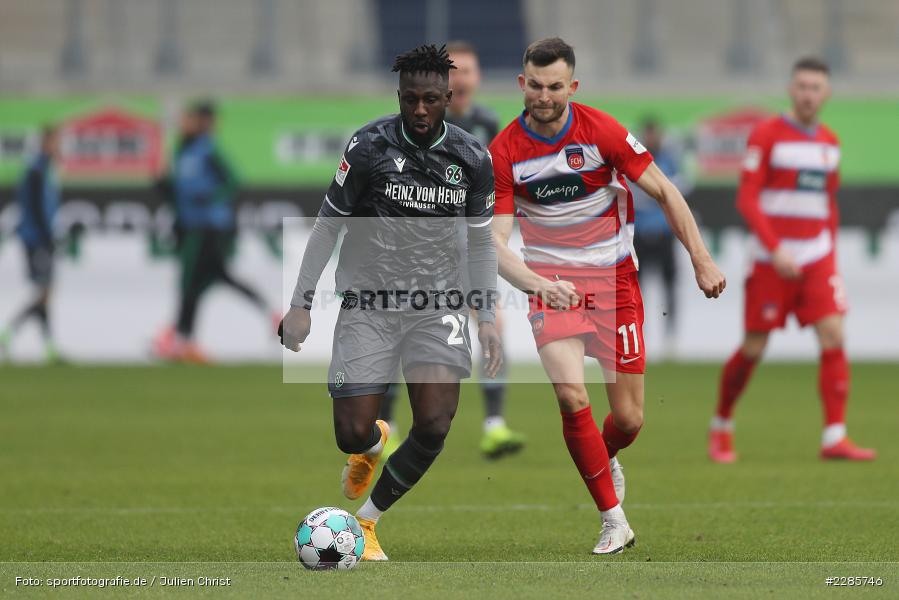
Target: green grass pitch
<point>172,471</point>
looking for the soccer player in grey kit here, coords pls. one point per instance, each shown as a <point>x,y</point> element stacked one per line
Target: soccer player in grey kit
<point>402,171</point>
<point>498,439</point>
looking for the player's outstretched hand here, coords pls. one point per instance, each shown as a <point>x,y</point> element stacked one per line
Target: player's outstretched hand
<point>294,328</point>
<point>710,278</point>
<point>784,264</point>
<point>559,294</point>
<point>492,345</point>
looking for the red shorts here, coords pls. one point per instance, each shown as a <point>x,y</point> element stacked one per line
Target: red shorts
<point>770,298</point>
<point>609,319</point>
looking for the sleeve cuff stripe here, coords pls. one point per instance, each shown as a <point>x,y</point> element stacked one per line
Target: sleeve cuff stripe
<point>485,223</point>
<point>331,204</point>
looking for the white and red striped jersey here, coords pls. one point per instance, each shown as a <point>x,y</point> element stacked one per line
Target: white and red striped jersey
<point>569,191</point>
<point>788,190</point>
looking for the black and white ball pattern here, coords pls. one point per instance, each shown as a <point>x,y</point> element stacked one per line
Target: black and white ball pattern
<point>329,538</point>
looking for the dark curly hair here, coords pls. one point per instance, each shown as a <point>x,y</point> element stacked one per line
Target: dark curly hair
<point>424,59</point>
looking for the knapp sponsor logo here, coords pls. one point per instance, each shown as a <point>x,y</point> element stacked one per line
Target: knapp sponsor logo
<point>557,189</point>
<point>811,180</point>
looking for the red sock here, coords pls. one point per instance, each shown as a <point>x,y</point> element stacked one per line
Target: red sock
<point>614,438</point>
<point>588,451</point>
<point>833,384</point>
<point>736,373</point>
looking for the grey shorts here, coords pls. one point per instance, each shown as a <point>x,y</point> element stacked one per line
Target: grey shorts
<point>370,346</point>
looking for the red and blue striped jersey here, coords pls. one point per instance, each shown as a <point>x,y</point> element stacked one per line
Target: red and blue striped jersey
<point>569,192</point>
<point>788,190</point>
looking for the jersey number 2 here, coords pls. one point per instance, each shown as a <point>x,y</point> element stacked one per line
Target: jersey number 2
<point>457,323</point>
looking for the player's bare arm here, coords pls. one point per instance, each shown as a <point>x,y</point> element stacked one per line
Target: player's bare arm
<point>556,294</point>
<point>710,279</point>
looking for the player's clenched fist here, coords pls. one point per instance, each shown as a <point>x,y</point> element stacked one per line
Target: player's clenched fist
<point>294,328</point>
<point>558,294</point>
<point>710,278</point>
<point>784,264</point>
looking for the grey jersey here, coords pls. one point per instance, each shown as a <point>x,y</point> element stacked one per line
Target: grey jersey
<point>479,121</point>
<point>482,123</point>
<point>402,188</point>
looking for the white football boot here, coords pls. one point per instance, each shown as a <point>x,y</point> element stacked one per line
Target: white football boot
<point>614,537</point>
<point>617,472</point>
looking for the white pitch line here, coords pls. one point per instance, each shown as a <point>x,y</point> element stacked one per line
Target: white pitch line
<point>137,510</point>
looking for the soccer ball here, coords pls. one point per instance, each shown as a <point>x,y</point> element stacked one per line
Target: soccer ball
<point>329,538</point>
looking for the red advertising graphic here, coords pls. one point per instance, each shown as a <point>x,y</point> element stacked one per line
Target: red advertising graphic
<point>111,143</point>
<point>721,140</point>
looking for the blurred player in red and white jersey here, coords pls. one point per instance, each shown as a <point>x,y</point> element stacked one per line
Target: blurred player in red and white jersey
<point>787,196</point>
<point>560,168</point>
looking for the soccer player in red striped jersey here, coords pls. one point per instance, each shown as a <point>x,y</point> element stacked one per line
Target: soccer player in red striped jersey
<point>787,196</point>
<point>561,168</point>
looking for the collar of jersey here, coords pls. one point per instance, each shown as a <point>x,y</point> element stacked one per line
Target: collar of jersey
<point>540,138</point>
<point>810,132</point>
<point>432,146</point>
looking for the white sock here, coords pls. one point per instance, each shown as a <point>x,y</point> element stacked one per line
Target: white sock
<point>832,434</point>
<point>721,424</point>
<point>616,513</point>
<point>375,450</point>
<point>491,423</point>
<point>369,511</point>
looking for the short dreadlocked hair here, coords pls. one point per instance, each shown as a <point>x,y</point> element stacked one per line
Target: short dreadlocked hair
<point>424,59</point>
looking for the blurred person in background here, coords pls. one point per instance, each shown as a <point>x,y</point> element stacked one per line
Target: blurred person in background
<point>653,239</point>
<point>38,198</point>
<point>203,187</point>
<point>481,122</point>
<point>465,79</point>
<point>787,197</point>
